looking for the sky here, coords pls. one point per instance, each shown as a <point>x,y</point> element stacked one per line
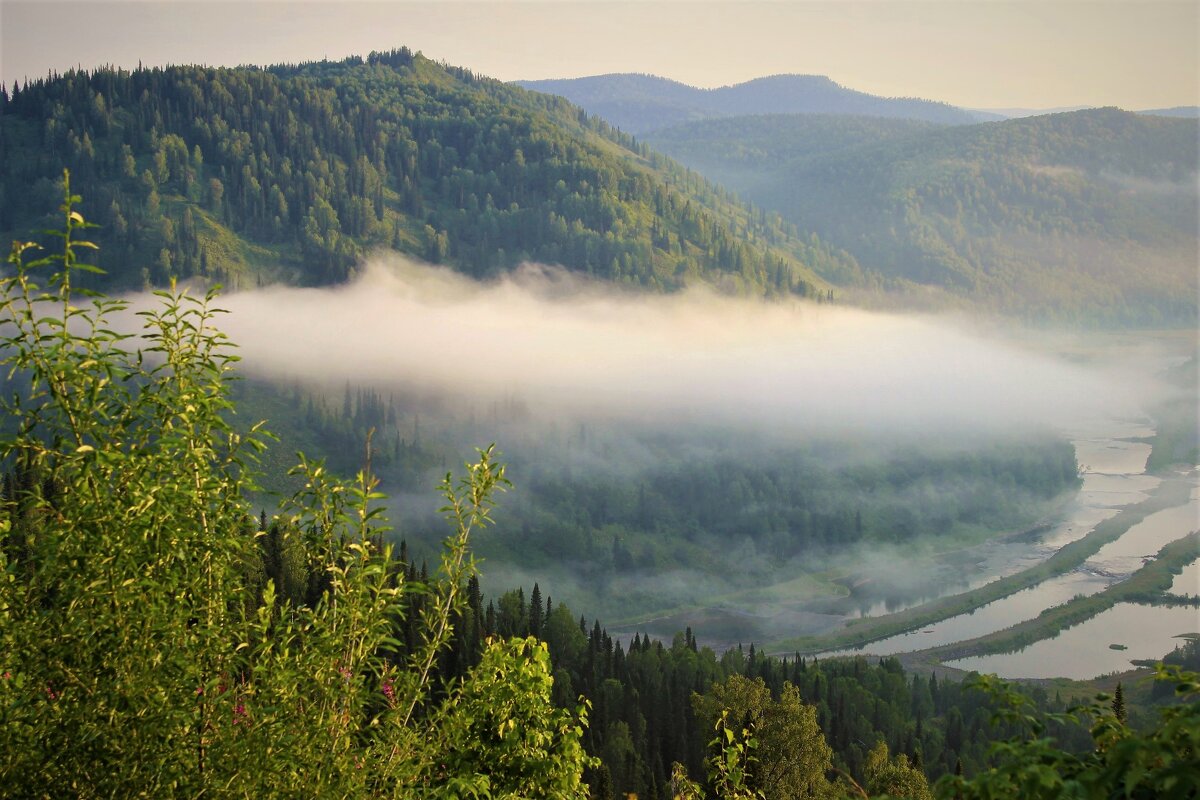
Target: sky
<point>1136,54</point>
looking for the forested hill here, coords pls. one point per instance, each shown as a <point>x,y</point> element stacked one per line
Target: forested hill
<point>1085,216</point>
<point>294,172</point>
<point>640,104</point>
<point>743,153</point>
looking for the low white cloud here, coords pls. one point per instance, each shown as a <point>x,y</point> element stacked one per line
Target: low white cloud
<point>557,343</point>
<point>560,343</point>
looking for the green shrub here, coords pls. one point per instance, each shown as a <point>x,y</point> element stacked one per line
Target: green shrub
<point>143,652</point>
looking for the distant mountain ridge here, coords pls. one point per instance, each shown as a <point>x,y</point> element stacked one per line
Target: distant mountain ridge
<point>1185,112</point>
<point>639,104</point>
<point>996,114</point>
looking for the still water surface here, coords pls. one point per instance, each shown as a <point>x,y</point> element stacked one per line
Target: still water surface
<point>1114,477</point>
<point>1085,651</point>
<point>1188,581</point>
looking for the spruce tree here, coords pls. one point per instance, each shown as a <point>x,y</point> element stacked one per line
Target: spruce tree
<point>1118,704</point>
<point>535,611</point>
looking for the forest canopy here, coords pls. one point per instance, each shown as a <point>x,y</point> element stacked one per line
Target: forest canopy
<point>292,172</point>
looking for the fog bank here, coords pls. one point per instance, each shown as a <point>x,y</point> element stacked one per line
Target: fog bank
<point>563,344</point>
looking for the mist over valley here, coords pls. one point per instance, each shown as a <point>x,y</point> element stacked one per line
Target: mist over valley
<point>554,342</point>
<point>375,426</point>
<point>667,450</point>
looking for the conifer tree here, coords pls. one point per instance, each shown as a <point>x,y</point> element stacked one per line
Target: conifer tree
<point>1118,704</point>
<point>536,611</point>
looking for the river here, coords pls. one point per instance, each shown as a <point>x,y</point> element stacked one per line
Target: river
<point>1113,463</point>
<point>1187,583</point>
<point>1108,642</point>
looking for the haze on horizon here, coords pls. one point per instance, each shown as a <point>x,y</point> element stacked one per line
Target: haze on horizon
<point>1137,54</point>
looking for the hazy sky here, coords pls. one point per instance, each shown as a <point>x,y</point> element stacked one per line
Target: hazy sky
<point>976,53</point>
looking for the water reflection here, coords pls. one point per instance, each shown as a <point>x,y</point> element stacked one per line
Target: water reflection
<point>1104,644</point>
<point>1188,582</point>
<point>1023,605</point>
<point>1112,563</point>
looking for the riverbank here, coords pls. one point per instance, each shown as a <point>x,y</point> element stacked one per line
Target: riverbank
<point>1173,491</point>
<point>1148,586</point>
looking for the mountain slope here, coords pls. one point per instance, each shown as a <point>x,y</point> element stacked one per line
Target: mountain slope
<point>642,103</point>
<point>293,172</point>
<point>742,153</point>
<point>1085,216</point>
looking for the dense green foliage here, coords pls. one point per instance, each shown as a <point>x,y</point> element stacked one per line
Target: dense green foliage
<point>792,757</point>
<point>1163,764</point>
<point>655,704</point>
<point>151,644</point>
<point>293,172</point>
<point>641,104</point>
<point>1086,216</point>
